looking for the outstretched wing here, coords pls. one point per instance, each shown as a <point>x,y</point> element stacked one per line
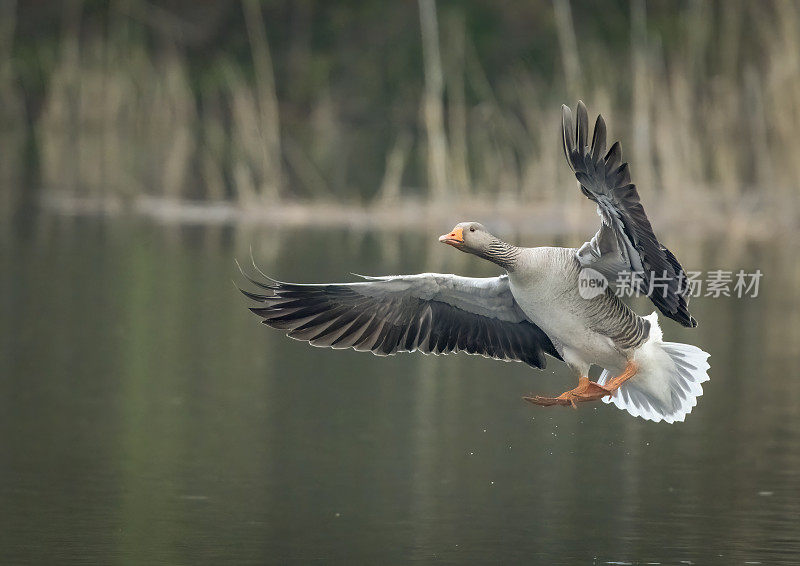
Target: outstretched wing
<point>430,312</point>
<point>625,241</point>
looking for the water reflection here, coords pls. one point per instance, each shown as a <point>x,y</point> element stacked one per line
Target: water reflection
<point>146,417</point>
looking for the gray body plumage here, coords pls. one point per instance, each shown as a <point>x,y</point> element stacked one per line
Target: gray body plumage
<point>601,330</point>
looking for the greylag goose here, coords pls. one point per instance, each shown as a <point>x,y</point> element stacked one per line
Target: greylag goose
<point>536,309</point>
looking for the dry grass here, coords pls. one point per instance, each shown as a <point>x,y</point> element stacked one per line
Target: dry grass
<point>713,116</point>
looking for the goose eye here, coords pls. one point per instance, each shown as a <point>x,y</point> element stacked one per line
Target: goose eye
<point>472,228</point>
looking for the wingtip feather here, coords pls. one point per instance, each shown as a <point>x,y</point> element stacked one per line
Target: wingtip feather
<point>567,134</point>
<point>599,139</point>
<point>582,127</point>
<point>252,296</point>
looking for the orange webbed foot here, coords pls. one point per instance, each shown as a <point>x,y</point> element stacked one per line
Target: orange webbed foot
<point>547,401</point>
<point>585,391</point>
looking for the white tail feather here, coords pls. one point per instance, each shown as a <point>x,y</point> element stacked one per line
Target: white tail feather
<point>667,383</point>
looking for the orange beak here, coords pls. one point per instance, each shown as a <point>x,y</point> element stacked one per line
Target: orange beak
<point>454,238</point>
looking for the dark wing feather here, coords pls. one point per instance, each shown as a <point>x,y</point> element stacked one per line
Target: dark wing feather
<point>430,312</point>
<point>625,241</point>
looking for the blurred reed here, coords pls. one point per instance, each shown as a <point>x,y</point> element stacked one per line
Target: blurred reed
<point>711,118</point>
<point>12,117</point>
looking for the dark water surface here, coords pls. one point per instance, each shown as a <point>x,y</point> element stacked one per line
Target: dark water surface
<point>147,418</point>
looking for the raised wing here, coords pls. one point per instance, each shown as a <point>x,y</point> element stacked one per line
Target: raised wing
<point>625,241</point>
<point>430,312</point>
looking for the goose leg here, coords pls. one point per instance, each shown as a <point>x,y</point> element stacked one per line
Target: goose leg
<point>585,391</point>
<point>614,383</point>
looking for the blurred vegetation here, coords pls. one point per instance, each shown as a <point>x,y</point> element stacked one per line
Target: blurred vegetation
<point>260,103</point>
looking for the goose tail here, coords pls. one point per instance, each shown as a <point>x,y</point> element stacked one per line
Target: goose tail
<point>668,380</point>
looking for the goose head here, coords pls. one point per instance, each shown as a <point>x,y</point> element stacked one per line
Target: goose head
<point>470,237</point>
<point>474,238</point>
